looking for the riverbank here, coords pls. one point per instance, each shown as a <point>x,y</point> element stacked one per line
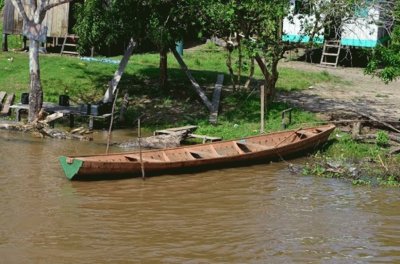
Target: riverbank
<point>86,81</point>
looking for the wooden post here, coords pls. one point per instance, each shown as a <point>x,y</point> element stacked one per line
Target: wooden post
<point>140,149</point>
<point>216,98</point>
<point>4,45</point>
<point>111,122</point>
<point>262,98</point>
<point>124,107</point>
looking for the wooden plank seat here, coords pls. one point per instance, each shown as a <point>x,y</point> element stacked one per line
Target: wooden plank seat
<point>198,154</point>
<point>305,134</point>
<point>136,157</point>
<point>250,147</point>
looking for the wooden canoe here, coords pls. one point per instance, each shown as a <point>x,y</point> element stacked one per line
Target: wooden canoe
<point>193,158</point>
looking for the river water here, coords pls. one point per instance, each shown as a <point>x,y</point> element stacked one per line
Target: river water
<point>258,214</point>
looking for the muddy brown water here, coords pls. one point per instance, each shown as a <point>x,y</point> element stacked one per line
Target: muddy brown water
<point>257,214</point>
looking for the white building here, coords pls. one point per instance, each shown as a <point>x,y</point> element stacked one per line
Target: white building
<point>361,30</point>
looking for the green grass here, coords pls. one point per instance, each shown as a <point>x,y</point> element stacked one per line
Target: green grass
<point>14,41</point>
<point>361,163</point>
<point>87,81</point>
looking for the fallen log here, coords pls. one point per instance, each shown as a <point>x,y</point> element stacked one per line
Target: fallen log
<point>394,151</point>
<point>394,139</point>
<point>383,123</point>
<point>42,129</point>
<point>157,142</point>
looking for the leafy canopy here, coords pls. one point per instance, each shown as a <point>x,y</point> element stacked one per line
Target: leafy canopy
<point>385,61</point>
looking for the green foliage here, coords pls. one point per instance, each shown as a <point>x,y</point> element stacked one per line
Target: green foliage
<point>382,138</point>
<point>163,22</point>
<point>360,163</point>
<point>1,4</point>
<point>385,60</point>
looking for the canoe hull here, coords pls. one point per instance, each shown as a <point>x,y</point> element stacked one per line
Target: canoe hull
<point>112,166</point>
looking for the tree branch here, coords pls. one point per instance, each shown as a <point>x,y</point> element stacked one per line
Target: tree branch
<point>20,7</point>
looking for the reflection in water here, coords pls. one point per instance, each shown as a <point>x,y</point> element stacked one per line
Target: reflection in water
<point>243,215</point>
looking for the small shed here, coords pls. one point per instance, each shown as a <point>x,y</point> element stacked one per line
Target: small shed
<point>56,20</point>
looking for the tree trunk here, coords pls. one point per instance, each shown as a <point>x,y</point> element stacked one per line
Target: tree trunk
<point>272,81</point>
<point>229,65</point>
<point>251,74</point>
<point>164,69</point>
<point>240,62</point>
<point>270,77</point>
<point>36,92</point>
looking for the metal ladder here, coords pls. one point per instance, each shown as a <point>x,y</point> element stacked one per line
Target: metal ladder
<point>330,53</point>
<point>69,41</point>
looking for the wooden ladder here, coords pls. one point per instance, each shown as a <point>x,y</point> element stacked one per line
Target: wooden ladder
<point>69,41</point>
<point>330,53</point>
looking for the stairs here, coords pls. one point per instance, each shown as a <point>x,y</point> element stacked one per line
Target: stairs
<point>330,53</point>
<point>69,45</point>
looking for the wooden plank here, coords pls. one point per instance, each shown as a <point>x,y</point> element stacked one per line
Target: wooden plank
<point>205,138</point>
<point>304,133</point>
<point>168,131</point>
<point>203,154</point>
<point>2,95</point>
<point>9,101</point>
<point>195,84</point>
<point>253,146</point>
<point>216,98</point>
<point>53,117</point>
<point>136,157</point>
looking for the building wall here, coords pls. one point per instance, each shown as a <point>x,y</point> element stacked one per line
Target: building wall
<point>361,31</point>
<point>56,20</point>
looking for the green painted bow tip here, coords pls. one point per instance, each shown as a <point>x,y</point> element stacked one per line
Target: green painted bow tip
<point>70,169</point>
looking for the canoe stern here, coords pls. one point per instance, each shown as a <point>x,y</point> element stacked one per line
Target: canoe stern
<point>70,166</point>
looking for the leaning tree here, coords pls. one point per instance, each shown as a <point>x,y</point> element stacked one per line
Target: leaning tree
<point>33,13</point>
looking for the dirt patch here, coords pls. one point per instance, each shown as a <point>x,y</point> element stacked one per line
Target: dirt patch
<point>356,93</point>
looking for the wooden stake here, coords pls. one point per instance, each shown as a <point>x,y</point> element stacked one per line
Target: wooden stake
<point>262,98</point>
<point>111,121</point>
<point>140,150</point>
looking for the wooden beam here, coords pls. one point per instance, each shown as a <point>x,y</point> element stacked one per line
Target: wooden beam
<point>2,95</point>
<point>109,95</point>
<point>9,101</point>
<point>195,85</point>
<point>216,98</point>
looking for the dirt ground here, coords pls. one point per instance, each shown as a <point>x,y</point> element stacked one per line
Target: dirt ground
<point>355,93</point>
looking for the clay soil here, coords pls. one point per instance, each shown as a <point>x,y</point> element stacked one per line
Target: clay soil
<point>355,93</point>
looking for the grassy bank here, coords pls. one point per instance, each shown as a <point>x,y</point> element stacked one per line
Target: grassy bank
<point>86,82</point>
<point>360,163</point>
